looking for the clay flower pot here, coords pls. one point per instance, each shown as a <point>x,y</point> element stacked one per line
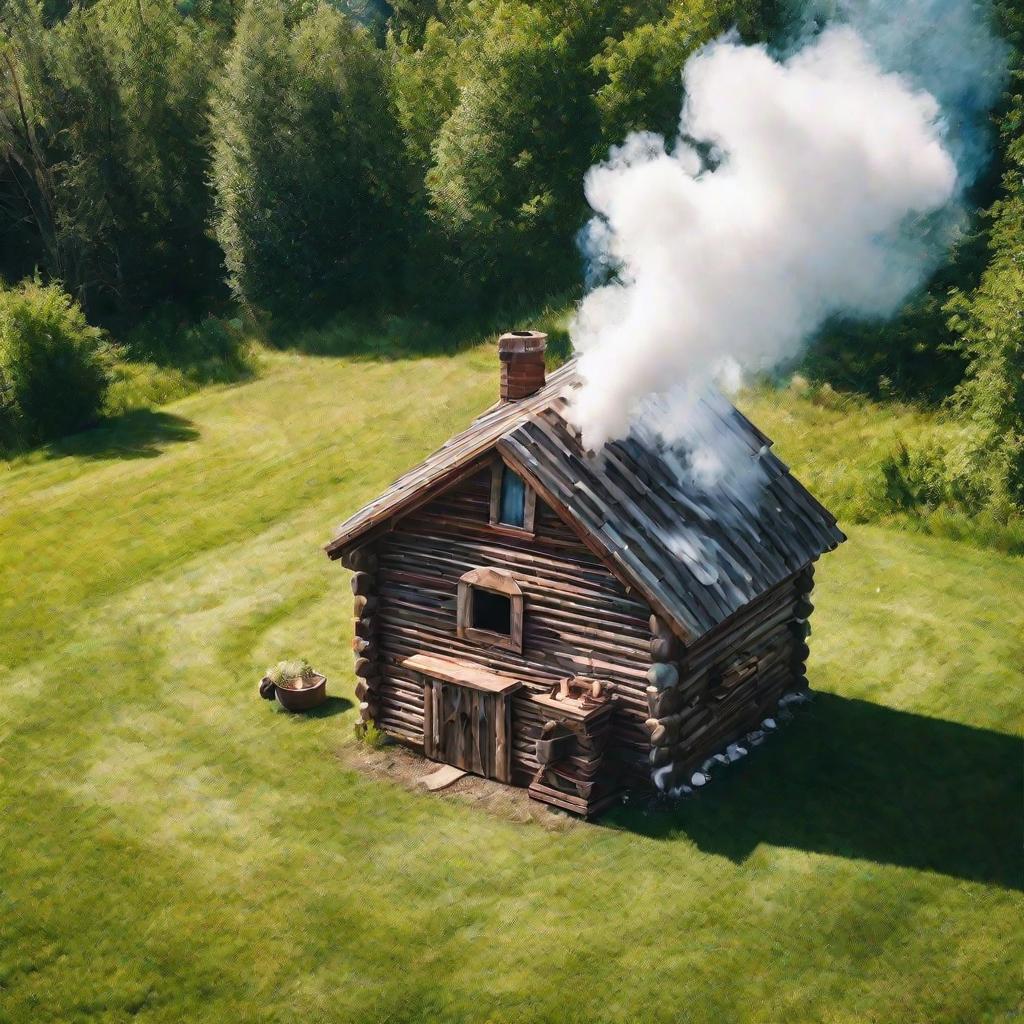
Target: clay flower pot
<point>298,694</point>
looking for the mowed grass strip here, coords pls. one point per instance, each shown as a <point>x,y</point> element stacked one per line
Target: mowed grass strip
<point>175,849</point>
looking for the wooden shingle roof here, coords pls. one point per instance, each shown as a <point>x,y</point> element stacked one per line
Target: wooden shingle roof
<point>697,554</point>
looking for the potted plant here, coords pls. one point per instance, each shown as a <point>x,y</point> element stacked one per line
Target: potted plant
<point>295,685</point>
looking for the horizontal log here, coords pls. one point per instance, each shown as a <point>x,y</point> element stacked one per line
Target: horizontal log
<point>366,648</point>
<point>663,649</point>
<point>362,583</point>
<point>662,676</point>
<point>660,629</point>
<point>360,559</point>
<point>365,604</point>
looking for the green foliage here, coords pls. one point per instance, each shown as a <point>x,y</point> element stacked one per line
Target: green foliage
<point>368,733</point>
<point>870,461</point>
<point>984,471</point>
<point>505,104</point>
<point>53,372</point>
<point>425,86</point>
<point>641,72</point>
<point>168,336</point>
<point>505,185</point>
<point>989,327</point>
<point>146,146</point>
<point>285,672</point>
<point>168,356</point>
<point>104,129</point>
<point>305,158</point>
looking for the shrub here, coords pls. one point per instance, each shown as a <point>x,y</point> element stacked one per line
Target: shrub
<point>53,364</point>
<point>368,733</point>
<point>286,673</point>
<point>211,349</point>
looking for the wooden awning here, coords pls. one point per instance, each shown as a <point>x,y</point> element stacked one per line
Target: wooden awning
<point>462,673</point>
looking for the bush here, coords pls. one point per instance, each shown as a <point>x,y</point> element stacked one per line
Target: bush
<point>53,364</point>
<point>368,733</point>
<point>213,348</point>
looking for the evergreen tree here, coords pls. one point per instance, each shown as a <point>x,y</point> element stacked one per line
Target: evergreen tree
<point>306,160</point>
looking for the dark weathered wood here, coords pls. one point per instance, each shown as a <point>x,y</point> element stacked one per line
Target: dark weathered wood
<point>360,559</point>
<point>362,583</point>
<point>691,607</point>
<point>366,668</point>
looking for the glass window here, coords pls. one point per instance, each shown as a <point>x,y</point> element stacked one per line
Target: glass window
<point>512,508</point>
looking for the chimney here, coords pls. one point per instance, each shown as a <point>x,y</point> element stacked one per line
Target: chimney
<point>522,364</point>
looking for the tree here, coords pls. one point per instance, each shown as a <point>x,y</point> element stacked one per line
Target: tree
<point>989,328</point>
<point>307,160</point>
<point>641,72</point>
<point>103,128</point>
<point>508,163</point>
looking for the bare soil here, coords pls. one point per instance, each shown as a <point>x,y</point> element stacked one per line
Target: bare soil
<point>405,767</point>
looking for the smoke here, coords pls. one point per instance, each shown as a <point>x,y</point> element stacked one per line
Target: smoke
<point>824,182</point>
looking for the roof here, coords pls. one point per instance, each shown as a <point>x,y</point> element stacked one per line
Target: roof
<point>697,554</point>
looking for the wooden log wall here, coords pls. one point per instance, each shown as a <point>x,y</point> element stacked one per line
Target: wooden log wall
<point>723,686</point>
<point>363,563</point>
<point>578,617</point>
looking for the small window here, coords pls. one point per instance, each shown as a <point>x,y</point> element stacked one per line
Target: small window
<point>490,609</point>
<point>492,612</point>
<point>512,507</point>
<point>513,503</point>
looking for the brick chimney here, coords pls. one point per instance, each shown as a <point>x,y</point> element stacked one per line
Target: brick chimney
<point>522,363</point>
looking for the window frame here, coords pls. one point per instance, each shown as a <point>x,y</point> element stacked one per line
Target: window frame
<point>496,581</point>
<point>498,468</point>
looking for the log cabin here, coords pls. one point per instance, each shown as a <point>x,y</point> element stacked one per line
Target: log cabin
<point>546,616</point>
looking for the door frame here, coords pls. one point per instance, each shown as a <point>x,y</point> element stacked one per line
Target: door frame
<point>488,697</point>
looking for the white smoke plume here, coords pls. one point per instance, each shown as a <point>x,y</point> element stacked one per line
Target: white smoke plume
<point>816,190</point>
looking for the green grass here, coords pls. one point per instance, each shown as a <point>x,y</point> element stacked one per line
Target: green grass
<point>837,441</point>
<point>174,849</point>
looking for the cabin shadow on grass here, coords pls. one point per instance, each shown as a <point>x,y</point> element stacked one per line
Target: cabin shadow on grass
<point>141,434</point>
<point>855,779</point>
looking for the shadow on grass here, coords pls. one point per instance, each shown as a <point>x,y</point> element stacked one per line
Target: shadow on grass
<point>384,337</point>
<point>330,707</point>
<point>140,434</point>
<point>855,779</point>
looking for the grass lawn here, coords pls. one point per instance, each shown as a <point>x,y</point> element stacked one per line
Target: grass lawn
<point>173,849</point>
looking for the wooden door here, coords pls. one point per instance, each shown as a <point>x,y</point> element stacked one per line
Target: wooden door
<point>467,728</point>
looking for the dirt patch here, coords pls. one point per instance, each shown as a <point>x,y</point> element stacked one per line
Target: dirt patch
<point>405,767</point>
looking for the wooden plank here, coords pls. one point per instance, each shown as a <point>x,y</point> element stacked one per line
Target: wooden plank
<point>503,734</point>
<point>478,732</point>
<point>461,673</point>
<point>428,719</point>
